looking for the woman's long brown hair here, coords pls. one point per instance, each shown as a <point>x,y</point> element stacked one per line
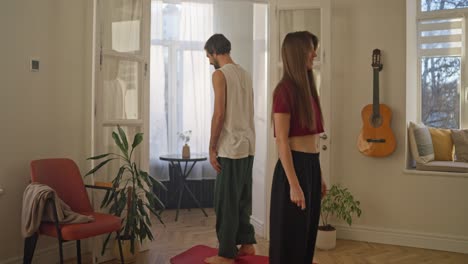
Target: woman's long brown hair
<point>295,52</point>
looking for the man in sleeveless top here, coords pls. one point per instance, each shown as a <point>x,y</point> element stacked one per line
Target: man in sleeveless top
<point>232,147</point>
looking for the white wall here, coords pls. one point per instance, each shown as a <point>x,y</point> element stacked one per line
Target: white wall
<point>260,83</point>
<point>400,206</point>
<point>45,113</point>
<point>235,19</point>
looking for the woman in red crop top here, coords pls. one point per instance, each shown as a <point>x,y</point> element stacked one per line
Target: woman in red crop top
<point>297,186</point>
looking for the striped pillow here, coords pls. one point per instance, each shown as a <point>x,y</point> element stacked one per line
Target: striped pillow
<point>420,143</point>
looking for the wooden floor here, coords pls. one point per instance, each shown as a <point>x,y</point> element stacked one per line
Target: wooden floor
<point>194,228</point>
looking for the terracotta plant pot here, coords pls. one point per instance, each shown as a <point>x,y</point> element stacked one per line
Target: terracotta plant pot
<point>127,254</point>
<point>326,239</point>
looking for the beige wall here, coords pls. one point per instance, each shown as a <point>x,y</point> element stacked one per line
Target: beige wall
<point>45,113</point>
<point>390,199</point>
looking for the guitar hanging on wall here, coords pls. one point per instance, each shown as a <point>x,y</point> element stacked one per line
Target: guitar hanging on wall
<point>376,138</point>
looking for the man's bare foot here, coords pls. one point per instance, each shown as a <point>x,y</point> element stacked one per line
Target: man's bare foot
<point>218,260</point>
<point>246,250</point>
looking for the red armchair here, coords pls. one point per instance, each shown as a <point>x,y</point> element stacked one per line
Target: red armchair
<point>64,177</point>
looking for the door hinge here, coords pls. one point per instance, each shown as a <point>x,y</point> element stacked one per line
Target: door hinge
<point>146,69</point>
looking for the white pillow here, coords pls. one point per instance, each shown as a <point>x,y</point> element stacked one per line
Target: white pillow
<point>420,143</point>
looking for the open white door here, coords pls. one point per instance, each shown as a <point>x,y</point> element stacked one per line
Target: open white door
<point>297,15</point>
<point>121,85</point>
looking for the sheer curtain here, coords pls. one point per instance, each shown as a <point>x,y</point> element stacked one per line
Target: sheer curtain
<point>180,80</point>
<point>180,84</point>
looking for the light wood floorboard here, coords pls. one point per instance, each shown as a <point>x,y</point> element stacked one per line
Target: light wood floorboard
<point>194,228</point>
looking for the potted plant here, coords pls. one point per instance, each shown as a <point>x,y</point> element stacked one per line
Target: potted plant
<point>340,203</point>
<point>185,137</point>
<point>131,196</point>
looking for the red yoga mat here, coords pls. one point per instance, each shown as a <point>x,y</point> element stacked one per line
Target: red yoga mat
<point>197,255</point>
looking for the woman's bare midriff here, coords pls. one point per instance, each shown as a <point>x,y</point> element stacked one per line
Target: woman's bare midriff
<point>307,144</point>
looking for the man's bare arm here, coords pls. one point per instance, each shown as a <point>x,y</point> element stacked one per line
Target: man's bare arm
<point>219,87</point>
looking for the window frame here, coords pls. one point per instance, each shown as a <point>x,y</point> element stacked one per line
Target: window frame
<point>413,79</point>
<point>443,14</point>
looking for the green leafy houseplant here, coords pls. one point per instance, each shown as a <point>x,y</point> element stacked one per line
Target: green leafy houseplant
<point>132,189</point>
<point>340,203</point>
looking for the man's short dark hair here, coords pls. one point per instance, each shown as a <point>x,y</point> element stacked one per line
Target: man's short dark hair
<point>218,44</point>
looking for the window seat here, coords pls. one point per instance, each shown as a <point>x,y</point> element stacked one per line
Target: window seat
<point>432,150</point>
<point>445,166</point>
<point>415,172</point>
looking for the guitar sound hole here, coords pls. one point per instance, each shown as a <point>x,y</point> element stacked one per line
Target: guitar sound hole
<point>376,120</point>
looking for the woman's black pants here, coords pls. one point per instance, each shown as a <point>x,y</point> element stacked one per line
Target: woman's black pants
<point>292,230</point>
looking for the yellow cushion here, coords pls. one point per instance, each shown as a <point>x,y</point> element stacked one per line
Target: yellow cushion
<point>443,144</point>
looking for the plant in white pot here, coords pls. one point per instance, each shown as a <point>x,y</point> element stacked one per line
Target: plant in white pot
<point>131,195</point>
<point>340,203</point>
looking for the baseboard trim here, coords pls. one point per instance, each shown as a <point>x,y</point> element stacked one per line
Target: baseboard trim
<point>434,241</point>
<point>258,225</point>
<point>49,255</point>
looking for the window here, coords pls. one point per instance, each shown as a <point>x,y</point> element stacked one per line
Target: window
<point>440,51</point>
<point>436,72</point>
<point>441,41</point>
<point>178,52</point>
<point>432,5</point>
<point>180,79</point>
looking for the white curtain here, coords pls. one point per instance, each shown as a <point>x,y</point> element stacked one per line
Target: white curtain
<point>180,84</point>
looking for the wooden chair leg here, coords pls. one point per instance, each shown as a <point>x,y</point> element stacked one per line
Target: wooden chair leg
<point>120,248</point>
<point>78,251</point>
<point>29,247</point>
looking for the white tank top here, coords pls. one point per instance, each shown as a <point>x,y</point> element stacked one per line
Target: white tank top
<point>237,139</point>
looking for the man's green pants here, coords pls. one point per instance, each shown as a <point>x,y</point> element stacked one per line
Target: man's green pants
<point>233,205</point>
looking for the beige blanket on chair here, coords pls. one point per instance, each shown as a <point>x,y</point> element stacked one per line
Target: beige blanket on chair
<point>35,210</point>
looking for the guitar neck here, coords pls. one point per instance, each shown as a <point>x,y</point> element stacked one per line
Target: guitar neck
<point>375,105</point>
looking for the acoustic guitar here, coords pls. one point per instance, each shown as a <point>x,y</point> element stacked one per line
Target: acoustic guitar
<point>376,138</point>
